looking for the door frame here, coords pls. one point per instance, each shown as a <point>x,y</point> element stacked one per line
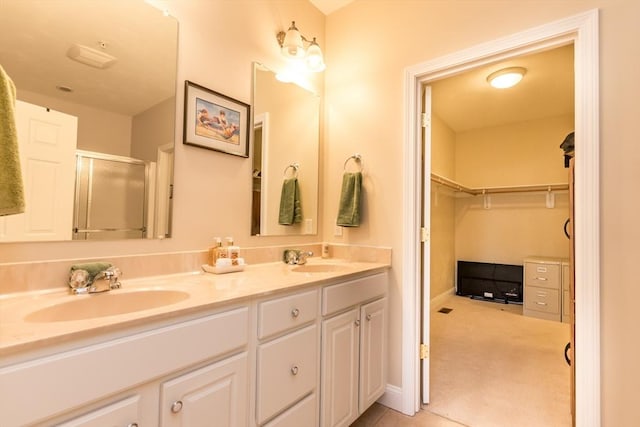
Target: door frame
<point>582,31</point>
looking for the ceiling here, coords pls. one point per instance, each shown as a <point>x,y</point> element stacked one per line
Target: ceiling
<point>328,6</point>
<point>466,101</point>
<point>33,49</point>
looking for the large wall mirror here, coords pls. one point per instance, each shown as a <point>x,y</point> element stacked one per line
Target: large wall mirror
<point>285,146</point>
<point>96,87</point>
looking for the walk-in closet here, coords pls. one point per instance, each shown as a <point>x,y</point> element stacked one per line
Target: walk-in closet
<point>500,202</point>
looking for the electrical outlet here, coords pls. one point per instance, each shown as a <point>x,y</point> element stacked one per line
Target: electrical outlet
<point>337,231</point>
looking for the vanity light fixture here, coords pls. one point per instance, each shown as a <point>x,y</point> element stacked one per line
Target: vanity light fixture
<point>292,46</point>
<point>507,77</point>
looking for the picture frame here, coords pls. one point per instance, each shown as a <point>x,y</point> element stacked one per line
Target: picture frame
<point>215,121</point>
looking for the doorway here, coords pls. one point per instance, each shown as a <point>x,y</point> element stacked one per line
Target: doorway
<point>504,143</point>
<point>582,30</point>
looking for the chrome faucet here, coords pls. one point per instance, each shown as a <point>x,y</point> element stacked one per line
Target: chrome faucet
<point>296,256</point>
<point>102,282</point>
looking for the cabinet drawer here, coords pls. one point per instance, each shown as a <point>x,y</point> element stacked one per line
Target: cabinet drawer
<point>542,299</point>
<point>282,314</point>
<point>303,413</point>
<point>544,275</point>
<point>344,295</point>
<point>287,371</point>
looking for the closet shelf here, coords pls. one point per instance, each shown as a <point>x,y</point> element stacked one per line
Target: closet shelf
<point>446,182</point>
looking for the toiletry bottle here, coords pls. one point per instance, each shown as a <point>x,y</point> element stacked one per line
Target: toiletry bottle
<point>234,251</point>
<point>213,251</point>
<point>221,251</point>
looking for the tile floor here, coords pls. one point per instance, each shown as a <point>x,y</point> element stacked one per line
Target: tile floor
<point>381,416</point>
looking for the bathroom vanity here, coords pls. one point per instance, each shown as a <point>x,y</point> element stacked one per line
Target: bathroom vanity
<point>270,346</point>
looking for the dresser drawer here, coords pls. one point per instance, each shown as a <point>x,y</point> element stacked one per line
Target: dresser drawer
<point>542,299</point>
<point>544,275</point>
<point>282,314</point>
<point>287,371</point>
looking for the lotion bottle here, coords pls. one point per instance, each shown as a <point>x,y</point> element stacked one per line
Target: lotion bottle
<point>234,251</point>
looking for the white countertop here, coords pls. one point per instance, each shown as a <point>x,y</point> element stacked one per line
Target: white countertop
<point>206,291</point>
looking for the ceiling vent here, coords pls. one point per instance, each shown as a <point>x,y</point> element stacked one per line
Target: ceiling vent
<point>91,57</point>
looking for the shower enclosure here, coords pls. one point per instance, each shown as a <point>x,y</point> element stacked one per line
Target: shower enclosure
<point>111,197</point>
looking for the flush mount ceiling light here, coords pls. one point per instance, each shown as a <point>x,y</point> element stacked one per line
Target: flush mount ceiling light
<point>91,57</point>
<point>507,77</point>
<point>292,46</point>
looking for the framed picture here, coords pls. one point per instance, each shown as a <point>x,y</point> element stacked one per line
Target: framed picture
<point>215,121</point>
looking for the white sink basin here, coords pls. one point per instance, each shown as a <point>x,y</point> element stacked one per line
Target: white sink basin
<point>319,268</point>
<point>106,304</point>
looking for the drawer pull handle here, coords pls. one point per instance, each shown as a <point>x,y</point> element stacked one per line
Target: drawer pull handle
<point>368,317</point>
<point>295,312</point>
<point>133,425</point>
<point>541,294</point>
<point>543,279</point>
<point>176,406</point>
<point>357,322</point>
<point>541,303</point>
<point>294,370</point>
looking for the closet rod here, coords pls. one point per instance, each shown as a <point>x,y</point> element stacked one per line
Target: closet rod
<point>493,190</point>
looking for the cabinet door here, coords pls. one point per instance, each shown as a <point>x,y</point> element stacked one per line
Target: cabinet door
<point>373,366</point>
<point>124,413</point>
<point>339,389</point>
<point>215,395</point>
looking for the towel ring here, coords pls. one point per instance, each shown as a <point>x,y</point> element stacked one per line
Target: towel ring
<point>295,167</point>
<point>357,158</point>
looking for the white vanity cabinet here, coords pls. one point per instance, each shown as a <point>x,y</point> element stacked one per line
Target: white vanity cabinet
<point>354,332</point>
<point>123,380</point>
<point>288,360</point>
<point>213,395</point>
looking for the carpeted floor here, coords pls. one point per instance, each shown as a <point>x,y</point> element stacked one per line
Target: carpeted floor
<point>490,367</point>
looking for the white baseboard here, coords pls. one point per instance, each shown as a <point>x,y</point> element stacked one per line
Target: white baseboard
<point>392,398</point>
<point>438,299</point>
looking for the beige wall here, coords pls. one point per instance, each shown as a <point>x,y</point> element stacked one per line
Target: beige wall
<point>151,129</point>
<point>516,225</point>
<point>369,43</point>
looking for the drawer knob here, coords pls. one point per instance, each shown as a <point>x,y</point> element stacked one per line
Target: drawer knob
<point>295,312</point>
<point>368,317</point>
<point>176,406</point>
<point>357,322</point>
<point>294,370</point>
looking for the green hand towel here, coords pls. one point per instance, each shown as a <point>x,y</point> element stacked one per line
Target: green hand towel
<point>92,268</point>
<point>349,208</point>
<point>11,187</point>
<point>290,207</point>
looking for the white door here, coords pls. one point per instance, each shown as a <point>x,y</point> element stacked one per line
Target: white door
<point>47,143</point>
<point>426,244</point>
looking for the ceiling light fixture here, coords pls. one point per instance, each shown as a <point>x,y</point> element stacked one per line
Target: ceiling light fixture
<point>507,77</point>
<point>292,46</point>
